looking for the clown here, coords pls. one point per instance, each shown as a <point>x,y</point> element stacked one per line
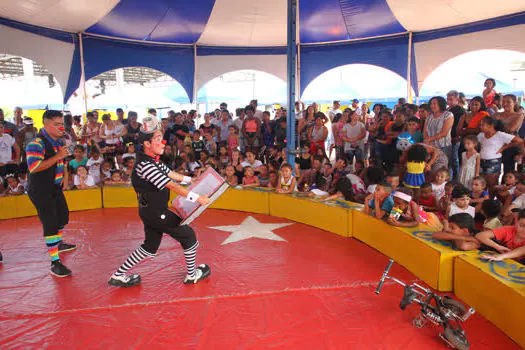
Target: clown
<point>153,182</point>
<point>45,161</point>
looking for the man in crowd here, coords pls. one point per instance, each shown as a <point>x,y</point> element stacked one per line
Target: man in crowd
<point>9,128</point>
<point>8,163</point>
<point>457,111</point>
<point>45,160</point>
<point>120,116</point>
<point>335,110</point>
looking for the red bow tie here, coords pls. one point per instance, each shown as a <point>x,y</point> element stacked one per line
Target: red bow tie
<point>155,157</point>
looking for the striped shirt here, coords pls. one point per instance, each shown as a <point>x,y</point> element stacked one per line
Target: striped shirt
<point>153,172</point>
<point>35,152</point>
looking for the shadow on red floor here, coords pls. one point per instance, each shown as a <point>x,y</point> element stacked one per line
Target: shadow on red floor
<point>315,290</point>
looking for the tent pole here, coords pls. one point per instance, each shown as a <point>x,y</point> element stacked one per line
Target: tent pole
<point>409,69</point>
<point>195,101</point>
<point>83,74</point>
<point>291,59</point>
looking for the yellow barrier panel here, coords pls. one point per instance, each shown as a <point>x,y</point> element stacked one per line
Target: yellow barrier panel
<point>331,218</point>
<point>84,199</point>
<point>496,290</point>
<point>119,197</point>
<point>254,201</point>
<point>16,207</point>
<point>413,248</point>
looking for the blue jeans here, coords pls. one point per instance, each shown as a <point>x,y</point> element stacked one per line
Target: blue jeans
<point>454,161</point>
<point>354,152</point>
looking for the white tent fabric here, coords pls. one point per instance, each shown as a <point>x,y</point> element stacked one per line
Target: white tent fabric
<point>210,67</point>
<point>417,15</point>
<point>68,15</point>
<point>431,54</point>
<point>255,22</point>
<point>246,23</point>
<point>56,56</point>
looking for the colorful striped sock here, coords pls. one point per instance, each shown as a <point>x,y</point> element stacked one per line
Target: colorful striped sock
<point>52,243</point>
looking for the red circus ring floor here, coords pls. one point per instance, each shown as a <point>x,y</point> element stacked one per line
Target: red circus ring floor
<point>314,291</point>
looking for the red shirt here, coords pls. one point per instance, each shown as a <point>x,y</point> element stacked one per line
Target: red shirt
<point>428,202</point>
<point>506,235</point>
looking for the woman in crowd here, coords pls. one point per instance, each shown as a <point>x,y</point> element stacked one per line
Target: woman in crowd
<point>438,126</point>
<point>511,120</point>
<point>318,133</point>
<point>469,123</point>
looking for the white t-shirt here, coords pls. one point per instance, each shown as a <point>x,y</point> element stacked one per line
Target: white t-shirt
<point>439,190</point>
<point>89,181</point>
<point>489,146</point>
<point>258,114</point>
<point>125,155</point>
<point>333,113</point>
<point>6,151</point>
<point>454,209</point>
<point>256,164</point>
<point>518,203</point>
<point>352,131</point>
<point>93,167</point>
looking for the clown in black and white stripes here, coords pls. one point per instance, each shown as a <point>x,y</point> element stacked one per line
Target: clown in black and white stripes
<point>152,182</point>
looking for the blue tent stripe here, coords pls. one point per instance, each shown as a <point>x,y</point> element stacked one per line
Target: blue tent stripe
<point>333,20</point>
<point>389,53</point>
<point>102,55</point>
<point>75,73</point>
<point>45,32</point>
<point>223,50</point>
<point>174,21</point>
<point>359,13</point>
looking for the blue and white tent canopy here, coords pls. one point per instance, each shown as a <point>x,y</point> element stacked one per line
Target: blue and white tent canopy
<point>195,41</point>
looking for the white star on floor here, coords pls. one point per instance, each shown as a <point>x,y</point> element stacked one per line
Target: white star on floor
<point>251,228</point>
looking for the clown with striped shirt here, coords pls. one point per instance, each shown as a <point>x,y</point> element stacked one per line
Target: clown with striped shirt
<point>45,161</point>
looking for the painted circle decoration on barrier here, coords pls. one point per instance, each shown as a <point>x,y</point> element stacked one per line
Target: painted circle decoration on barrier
<point>511,272</point>
<point>427,236</point>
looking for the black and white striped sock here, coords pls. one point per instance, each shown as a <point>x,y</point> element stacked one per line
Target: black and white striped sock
<point>136,257</point>
<point>190,254</point>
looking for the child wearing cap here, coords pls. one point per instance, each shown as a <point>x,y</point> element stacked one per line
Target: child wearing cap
<point>407,213</point>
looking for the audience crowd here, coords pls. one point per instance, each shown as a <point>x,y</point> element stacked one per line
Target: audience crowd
<point>453,164</point>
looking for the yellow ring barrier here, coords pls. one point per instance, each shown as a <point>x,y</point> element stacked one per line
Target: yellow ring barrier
<point>485,286</point>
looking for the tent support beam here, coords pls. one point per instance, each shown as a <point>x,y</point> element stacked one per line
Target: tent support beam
<point>409,69</point>
<point>291,70</point>
<point>83,73</point>
<point>195,101</point>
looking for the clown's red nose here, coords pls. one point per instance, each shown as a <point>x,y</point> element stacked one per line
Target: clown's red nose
<point>164,142</point>
<point>61,128</point>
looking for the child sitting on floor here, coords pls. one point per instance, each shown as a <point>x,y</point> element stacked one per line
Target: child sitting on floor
<point>479,193</point>
<point>380,203</point>
<point>460,204</point>
<point>511,239</point>
<point>14,187</point>
<point>440,180</point>
<point>230,176</point>
<point>427,198</point>
<point>249,179</point>
<point>287,182</point>
<point>491,208</point>
<point>460,231</point>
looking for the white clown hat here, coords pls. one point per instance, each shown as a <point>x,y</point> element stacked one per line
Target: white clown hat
<point>150,124</point>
